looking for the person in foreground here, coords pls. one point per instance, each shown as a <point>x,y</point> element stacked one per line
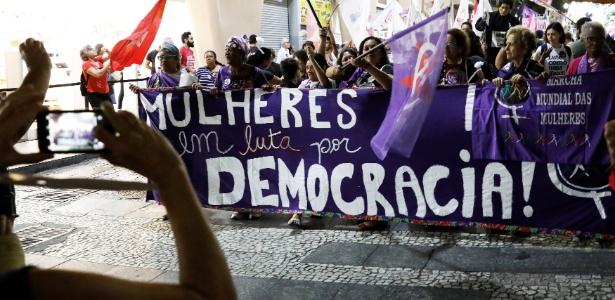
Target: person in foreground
<point>136,147</point>
<point>609,135</point>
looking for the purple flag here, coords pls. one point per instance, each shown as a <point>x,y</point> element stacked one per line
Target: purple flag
<point>417,55</point>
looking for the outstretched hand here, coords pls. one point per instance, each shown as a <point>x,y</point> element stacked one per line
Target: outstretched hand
<point>19,109</point>
<point>137,146</point>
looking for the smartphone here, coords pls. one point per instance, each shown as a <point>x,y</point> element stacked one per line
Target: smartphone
<point>70,131</point>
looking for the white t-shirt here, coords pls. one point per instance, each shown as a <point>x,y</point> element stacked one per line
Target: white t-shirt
<point>283,54</point>
<point>557,62</point>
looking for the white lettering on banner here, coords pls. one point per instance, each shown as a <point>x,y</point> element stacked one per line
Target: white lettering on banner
<point>189,148</point>
<point>373,176</point>
<point>230,165</point>
<point>257,186</point>
<point>568,80</point>
<point>261,143</point>
<point>317,200</point>
<point>289,99</point>
<point>294,184</point>
<point>187,116</point>
<point>258,105</point>
<point>245,104</point>
<point>329,146</point>
<point>158,105</point>
<point>413,183</point>
<point>316,109</point>
<point>353,207</point>
<point>504,188</point>
<point>318,186</point>
<point>469,180</point>
<point>430,179</point>
<point>348,109</point>
<point>203,118</point>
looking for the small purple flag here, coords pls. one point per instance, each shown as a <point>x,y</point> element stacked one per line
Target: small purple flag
<point>417,55</point>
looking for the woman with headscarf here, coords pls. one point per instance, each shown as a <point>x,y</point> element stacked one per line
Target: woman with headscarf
<point>238,75</point>
<point>373,71</point>
<point>171,74</point>
<point>520,42</point>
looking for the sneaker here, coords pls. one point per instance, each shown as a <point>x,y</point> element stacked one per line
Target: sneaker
<point>236,215</point>
<point>254,215</point>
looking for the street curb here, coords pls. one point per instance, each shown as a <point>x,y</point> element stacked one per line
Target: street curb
<point>52,163</point>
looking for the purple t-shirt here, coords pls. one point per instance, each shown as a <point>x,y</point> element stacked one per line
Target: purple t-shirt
<point>227,82</point>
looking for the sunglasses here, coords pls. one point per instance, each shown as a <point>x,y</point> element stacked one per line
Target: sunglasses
<point>451,45</point>
<point>163,57</point>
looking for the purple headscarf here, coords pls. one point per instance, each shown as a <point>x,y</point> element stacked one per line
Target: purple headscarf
<point>241,41</point>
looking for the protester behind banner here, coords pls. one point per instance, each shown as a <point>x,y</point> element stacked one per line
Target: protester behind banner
<point>520,42</point>
<point>595,58</point>
<point>207,74</point>
<point>373,71</point>
<point>577,47</point>
<point>495,24</point>
<point>554,55</point>
<point>315,70</point>
<point>262,59</point>
<point>457,69</point>
<point>238,75</point>
<point>340,74</point>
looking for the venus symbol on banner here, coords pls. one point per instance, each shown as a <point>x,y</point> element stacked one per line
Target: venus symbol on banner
<point>505,96</point>
<point>575,182</point>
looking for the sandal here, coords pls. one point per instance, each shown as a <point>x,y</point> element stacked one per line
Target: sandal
<point>254,215</point>
<point>237,215</point>
<point>295,220</point>
<point>371,225</point>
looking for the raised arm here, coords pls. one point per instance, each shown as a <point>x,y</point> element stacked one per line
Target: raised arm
<point>322,76</point>
<point>203,273</point>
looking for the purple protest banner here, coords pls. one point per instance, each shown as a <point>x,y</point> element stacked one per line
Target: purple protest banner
<point>417,55</point>
<point>309,150</point>
<point>558,122</point>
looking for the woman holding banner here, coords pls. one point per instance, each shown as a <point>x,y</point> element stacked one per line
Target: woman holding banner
<point>374,71</point>
<point>520,42</point>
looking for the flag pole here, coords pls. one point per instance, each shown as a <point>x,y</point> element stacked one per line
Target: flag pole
<point>554,9</point>
<point>366,53</point>
<point>314,13</point>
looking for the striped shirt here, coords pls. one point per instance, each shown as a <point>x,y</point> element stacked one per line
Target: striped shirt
<point>206,77</point>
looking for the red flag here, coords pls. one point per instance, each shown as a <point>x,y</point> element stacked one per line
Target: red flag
<point>132,50</point>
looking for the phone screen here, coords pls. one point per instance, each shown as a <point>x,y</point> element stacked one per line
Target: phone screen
<point>70,131</point>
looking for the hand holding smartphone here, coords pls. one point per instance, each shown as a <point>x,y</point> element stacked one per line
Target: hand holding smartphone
<point>70,131</point>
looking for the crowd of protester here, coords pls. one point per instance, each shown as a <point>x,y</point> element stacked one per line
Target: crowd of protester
<point>504,52</point>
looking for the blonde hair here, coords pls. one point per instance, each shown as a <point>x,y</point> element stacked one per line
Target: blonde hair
<point>525,37</point>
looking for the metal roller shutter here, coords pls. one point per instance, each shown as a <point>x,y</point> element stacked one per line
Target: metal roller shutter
<point>274,23</point>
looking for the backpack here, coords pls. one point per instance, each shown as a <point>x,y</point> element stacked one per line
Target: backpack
<point>543,48</point>
<point>83,85</point>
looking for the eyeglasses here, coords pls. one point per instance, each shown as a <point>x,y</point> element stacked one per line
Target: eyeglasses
<point>451,45</point>
<point>593,40</point>
<point>163,57</point>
